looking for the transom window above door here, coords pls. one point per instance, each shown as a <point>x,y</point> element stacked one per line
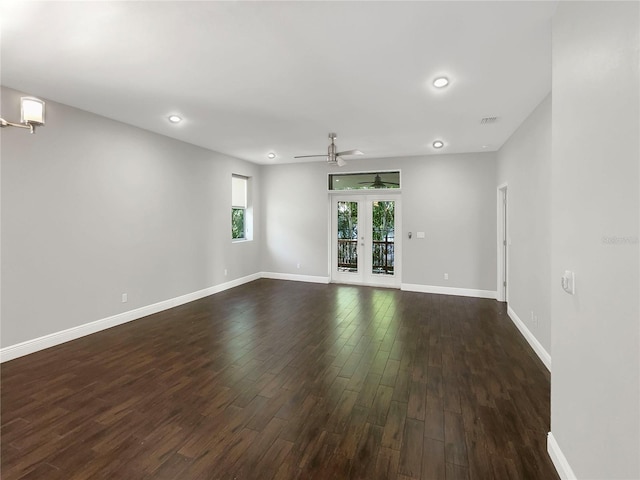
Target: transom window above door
<point>364,181</point>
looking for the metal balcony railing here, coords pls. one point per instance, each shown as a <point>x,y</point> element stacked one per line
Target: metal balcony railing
<point>382,255</point>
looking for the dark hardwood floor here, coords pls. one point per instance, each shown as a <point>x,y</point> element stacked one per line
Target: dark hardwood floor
<point>285,380</point>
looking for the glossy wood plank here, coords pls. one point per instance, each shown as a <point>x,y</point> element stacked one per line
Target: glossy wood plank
<point>411,452</point>
<point>386,463</point>
<point>433,462</point>
<point>394,426</point>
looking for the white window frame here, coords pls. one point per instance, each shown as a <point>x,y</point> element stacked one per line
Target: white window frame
<point>242,201</point>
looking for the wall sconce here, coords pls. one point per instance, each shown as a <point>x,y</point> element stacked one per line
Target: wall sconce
<point>31,114</point>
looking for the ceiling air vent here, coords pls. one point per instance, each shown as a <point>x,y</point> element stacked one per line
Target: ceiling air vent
<point>488,120</point>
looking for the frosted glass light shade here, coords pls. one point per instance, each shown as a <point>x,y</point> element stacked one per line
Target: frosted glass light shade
<point>31,111</point>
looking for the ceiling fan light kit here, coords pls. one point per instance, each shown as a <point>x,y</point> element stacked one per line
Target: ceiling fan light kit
<point>333,157</point>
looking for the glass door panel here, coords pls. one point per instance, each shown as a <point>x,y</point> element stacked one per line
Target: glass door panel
<point>382,237</point>
<point>347,232</point>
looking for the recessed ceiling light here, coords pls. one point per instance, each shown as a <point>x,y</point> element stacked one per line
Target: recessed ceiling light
<point>271,155</point>
<point>175,119</point>
<point>485,146</point>
<point>438,144</point>
<point>441,82</point>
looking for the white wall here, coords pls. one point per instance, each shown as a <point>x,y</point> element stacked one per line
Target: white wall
<point>452,199</point>
<point>93,208</point>
<point>595,380</point>
<point>524,163</point>
<point>295,228</point>
<point>449,197</point>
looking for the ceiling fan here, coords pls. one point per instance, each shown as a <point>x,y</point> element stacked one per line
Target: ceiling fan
<point>333,157</point>
<point>378,183</point>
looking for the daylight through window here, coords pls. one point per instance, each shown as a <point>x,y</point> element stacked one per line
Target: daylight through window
<point>238,207</point>
<point>364,181</point>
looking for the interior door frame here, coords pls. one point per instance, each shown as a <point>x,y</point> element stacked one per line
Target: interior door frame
<point>364,278</point>
<point>502,287</point>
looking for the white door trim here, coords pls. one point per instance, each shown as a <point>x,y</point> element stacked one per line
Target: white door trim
<point>362,278</point>
<point>502,292</point>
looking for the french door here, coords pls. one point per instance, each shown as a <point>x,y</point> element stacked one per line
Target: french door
<point>365,233</point>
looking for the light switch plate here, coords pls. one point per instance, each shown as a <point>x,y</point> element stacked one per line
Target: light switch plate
<point>568,282</point>
<point>420,234</point>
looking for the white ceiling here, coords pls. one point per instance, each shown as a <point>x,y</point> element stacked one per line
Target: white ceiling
<point>254,77</point>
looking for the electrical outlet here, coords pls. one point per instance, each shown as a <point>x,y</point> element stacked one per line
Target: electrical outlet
<point>124,298</point>
<point>446,276</point>
<point>225,272</point>
<point>298,265</point>
<point>534,320</point>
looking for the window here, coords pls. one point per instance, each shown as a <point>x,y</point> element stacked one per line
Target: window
<point>239,207</point>
<point>364,180</point>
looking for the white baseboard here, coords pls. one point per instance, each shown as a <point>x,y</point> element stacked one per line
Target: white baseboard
<point>56,338</point>
<point>460,292</point>
<point>533,341</point>
<point>295,278</point>
<point>559,460</point>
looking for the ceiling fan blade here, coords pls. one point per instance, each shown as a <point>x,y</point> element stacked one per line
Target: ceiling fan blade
<point>350,152</point>
<point>309,156</point>
<point>391,183</point>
